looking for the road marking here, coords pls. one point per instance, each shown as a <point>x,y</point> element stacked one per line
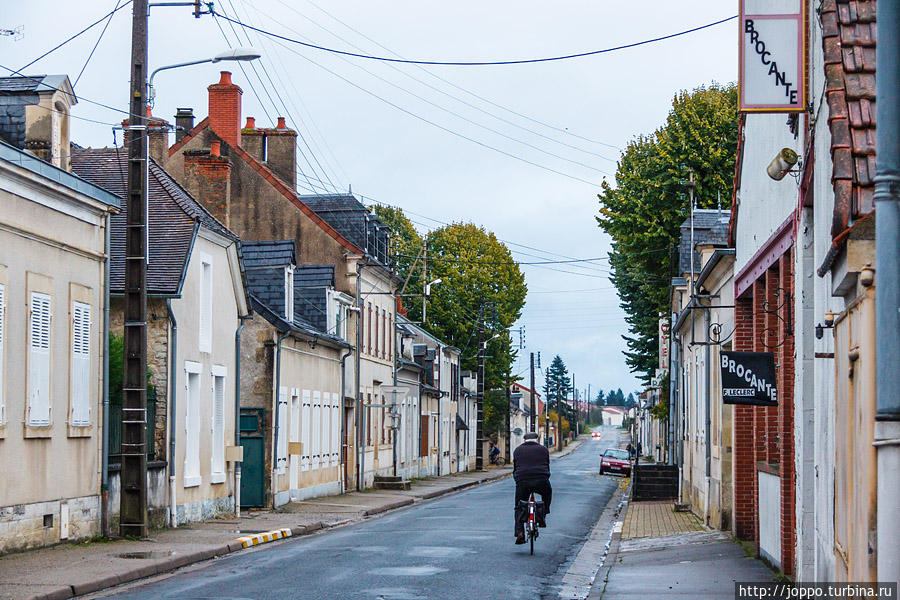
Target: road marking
<point>265,537</point>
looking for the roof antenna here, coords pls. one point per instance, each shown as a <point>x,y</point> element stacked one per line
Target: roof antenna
<point>350,189</point>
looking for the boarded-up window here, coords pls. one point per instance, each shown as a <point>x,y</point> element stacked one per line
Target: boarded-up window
<point>39,360</point>
<point>423,435</point>
<point>192,425</point>
<point>81,364</point>
<point>218,425</point>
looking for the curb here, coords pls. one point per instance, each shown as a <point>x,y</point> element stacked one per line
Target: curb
<point>176,562</point>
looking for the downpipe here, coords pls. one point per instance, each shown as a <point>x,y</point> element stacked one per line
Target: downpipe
<point>237,412</point>
<point>887,289</point>
<point>277,419</point>
<point>344,454</point>
<point>173,414</point>
<point>104,434</point>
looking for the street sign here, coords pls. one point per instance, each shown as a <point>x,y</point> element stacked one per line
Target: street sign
<point>772,75</point>
<point>748,378</point>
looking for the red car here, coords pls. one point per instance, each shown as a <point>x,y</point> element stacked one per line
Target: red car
<point>615,460</point>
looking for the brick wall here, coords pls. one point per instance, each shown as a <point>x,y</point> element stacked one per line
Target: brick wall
<point>225,109</point>
<point>763,435</point>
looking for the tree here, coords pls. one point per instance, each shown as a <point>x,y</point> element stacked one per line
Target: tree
<point>643,212</point>
<point>494,412</point>
<point>558,386</point>
<point>600,400</point>
<point>406,245</point>
<point>630,401</point>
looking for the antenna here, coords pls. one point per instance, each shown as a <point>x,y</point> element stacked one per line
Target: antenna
<point>17,33</point>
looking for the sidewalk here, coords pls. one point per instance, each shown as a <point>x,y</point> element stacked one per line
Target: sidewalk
<point>659,553</point>
<point>68,570</point>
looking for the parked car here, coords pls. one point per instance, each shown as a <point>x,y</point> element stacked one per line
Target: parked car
<point>615,460</point>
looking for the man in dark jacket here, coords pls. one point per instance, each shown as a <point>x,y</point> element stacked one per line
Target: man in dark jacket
<point>531,470</point>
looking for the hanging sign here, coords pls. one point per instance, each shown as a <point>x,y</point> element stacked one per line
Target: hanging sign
<point>664,342</point>
<point>772,56</point>
<point>748,378</point>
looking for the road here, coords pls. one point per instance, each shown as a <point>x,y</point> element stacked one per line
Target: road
<point>459,546</point>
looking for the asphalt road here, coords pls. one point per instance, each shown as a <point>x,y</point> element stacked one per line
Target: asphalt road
<point>459,546</point>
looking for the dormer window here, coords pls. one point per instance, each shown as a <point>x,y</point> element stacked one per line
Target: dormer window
<point>337,311</point>
<point>289,293</point>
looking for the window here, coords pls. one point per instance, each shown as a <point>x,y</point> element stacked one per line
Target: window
<point>368,419</point>
<point>81,365</point>
<point>2,324</point>
<point>289,293</point>
<point>305,430</point>
<point>39,360</point>
<point>325,458</point>
<point>281,446</point>
<point>379,326</point>
<point>206,304</point>
<point>192,425</point>
<point>218,424</point>
<point>369,330</point>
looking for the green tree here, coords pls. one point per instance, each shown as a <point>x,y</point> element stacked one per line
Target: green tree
<point>642,213</point>
<point>494,412</point>
<point>600,400</point>
<point>406,247</point>
<point>558,386</point>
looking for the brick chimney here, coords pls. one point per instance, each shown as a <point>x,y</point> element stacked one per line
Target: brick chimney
<point>157,135</point>
<point>207,176</point>
<point>281,152</point>
<point>184,122</point>
<point>225,109</point>
<point>253,140</point>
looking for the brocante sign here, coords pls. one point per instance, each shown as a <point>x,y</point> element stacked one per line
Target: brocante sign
<point>748,378</point>
<point>772,51</point>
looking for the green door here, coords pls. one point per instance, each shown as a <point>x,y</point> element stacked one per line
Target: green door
<point>252,471</point>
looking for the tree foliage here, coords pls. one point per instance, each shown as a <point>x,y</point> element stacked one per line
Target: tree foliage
<point>642,213</point>
<point>480,280</point>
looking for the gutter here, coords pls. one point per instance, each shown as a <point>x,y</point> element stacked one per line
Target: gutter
<point>104,434</point>
<point>237,412</point>
<point>173,414</point>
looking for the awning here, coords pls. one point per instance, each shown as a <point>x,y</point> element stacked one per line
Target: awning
<point>460,424</point>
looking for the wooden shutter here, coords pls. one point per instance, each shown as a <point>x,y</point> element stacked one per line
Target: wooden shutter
<point>2,323</point>
<point>81,364</point>
<point>306,430</point>
<point>316,424</point>
<point>335,429</point>
<point>39,360</point>
<point>218,425</point>
<point>281,442</point>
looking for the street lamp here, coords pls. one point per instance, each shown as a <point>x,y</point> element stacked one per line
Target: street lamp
<point>427,292</point>
<point>233,54</point>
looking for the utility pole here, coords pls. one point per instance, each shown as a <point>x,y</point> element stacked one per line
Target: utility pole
<point>133,494</point>
<point>534,417</point>
<point>508,425</point>
<point>575,402</point>
<point>424,282</point>
<point>479,398</point>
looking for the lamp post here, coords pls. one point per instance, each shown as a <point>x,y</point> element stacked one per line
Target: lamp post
<point>233,54</point>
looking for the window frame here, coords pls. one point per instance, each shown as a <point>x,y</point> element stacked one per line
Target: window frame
<point>192,476</point>
<point>218,373</point>
<point>77,413</point>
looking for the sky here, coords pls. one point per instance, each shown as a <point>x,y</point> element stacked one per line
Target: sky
<point>518,149</point>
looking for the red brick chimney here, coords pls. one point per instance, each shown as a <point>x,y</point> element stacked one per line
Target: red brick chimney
<point>225,109</point>
<point>253,140</point>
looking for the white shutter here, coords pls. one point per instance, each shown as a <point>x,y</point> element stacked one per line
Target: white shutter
<point>218,428</point>
<point>293,459</point>
<point>289,293</point>
<point>281,442</point>
<point>316,424</point>
<point>39,360</point>
<point>2,321</point>
<point>305,430</point>
<point>335,430</point>
<point>81,364</point>
<point>325,443</point>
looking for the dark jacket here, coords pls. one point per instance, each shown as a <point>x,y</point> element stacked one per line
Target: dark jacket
<point>531,460</point>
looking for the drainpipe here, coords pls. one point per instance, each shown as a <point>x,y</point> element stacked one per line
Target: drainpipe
<point>344,420</point>
<point>708,385</point>
<point>395,425</point>
<point>280,339</point>
<point>887,289</point>
<point>104,434</point>
<point>237,412</point>
<point>360,415</point>
<point>173,414</point>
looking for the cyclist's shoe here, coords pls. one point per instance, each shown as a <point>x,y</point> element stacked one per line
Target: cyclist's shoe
<point>520,538</point>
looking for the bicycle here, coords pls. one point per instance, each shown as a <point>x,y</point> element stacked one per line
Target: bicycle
<point>533,515</point>
<point>498,460</point>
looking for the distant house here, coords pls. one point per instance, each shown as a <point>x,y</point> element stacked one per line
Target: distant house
<point>195,300</point>
<point>613,416</point>
<point>53,296</point>
<point>294,359</point>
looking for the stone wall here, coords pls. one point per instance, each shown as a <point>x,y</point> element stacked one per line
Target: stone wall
<point>24,526</point>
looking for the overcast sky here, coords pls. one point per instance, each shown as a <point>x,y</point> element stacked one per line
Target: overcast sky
<point>355,136</point>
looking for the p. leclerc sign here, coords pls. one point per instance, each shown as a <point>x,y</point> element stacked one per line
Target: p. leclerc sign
<point>748,378</point>
<point>772,56</point>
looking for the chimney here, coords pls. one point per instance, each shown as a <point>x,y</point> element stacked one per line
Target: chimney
<point>253,140</point>
<point>158,134</point>
<point>225,110</point>
<point>184,122</point>
<point>207,176</point>
<point>281,152</point>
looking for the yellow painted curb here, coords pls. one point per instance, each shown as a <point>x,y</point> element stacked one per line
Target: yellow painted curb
<point>261,538</point>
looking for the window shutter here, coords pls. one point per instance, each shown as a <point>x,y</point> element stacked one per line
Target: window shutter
<point>316,425</point>
<point>218,425</point>
<point>335,430</point>
<point>81,364</point>
<point>281,459</point>
<point>2,322</point>
<point>305,430</point>
<point>325,444</point>
<point>39,360</point>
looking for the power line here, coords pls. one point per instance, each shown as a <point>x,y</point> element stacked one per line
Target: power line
<point>455,63</point>
<point>63,43</point>
<point>97,43</point>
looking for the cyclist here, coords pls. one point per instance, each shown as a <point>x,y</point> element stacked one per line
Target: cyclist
<point>494,453</point>
<point>531,470</point>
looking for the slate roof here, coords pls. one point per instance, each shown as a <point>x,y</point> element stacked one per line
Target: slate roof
<point>710,228</point>
<point>848,41</point>
<point>32,83</point>
<point>173,219</point>
<point>349,217</point>
<point>264,263</point>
